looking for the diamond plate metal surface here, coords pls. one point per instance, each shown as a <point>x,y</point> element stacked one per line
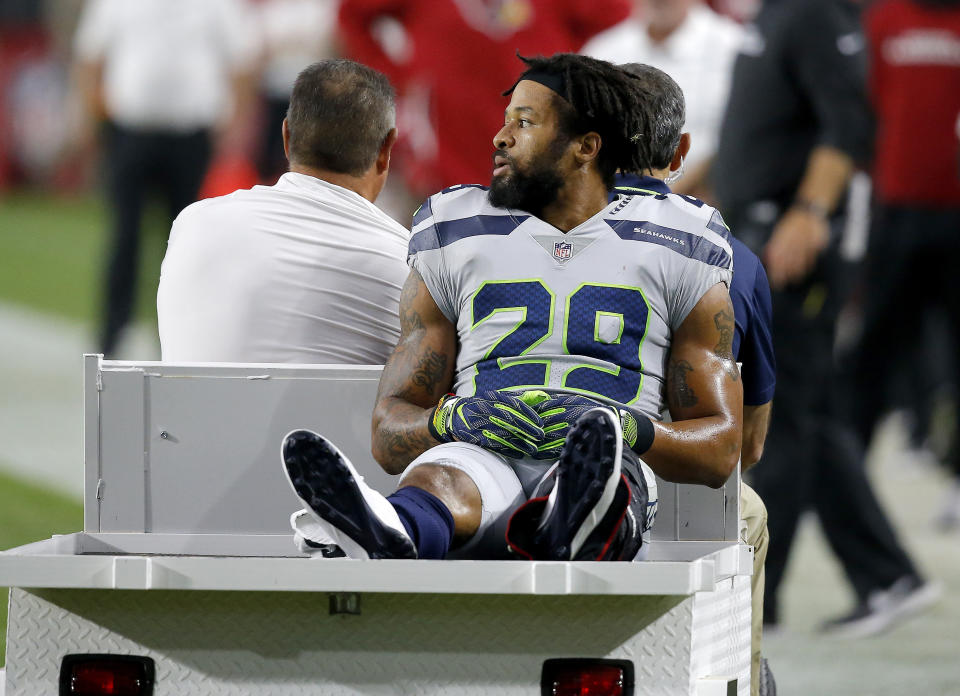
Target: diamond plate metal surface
<point>228,643</point>
<point>721,633</point>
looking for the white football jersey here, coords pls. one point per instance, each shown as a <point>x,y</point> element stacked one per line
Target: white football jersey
<point>589,311</point>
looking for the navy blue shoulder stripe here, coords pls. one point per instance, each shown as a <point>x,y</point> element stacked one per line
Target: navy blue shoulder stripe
<point>442,234</point>
<point>690,245</point>
<point>717,225</point>
<point>423,212</point>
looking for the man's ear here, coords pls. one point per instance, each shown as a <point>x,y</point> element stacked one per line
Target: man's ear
<point>383,158</point>
<point>285,132</point>
<point>588,147</point>
<point>682,149</point>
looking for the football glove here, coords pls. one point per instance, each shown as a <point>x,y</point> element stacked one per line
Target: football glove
<point>498,421</point>
<point>560,412</point>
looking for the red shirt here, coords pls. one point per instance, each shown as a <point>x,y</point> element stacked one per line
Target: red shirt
<point>462,56</point>
<point>915,87</point>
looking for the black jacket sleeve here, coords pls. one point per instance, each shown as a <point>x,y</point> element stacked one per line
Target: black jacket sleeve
<point>828,59</point>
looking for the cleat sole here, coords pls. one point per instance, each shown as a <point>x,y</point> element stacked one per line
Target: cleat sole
<point>326,483</point>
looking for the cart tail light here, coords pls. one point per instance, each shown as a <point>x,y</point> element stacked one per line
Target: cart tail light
<point>106,675</point>
<point>585,677</point>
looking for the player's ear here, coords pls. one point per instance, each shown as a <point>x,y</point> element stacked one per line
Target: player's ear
<point>682,149</point>
<point>588,147</point>
<point>285,132</point>
<point>383,158</point>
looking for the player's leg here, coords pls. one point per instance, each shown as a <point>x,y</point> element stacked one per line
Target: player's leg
<point>478,487</point>
<point>447,497</point>
<point>439,505</point>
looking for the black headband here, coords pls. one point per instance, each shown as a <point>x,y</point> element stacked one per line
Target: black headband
<point>554,81</point>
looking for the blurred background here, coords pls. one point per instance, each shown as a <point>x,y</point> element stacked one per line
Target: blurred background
<point>86,202</point>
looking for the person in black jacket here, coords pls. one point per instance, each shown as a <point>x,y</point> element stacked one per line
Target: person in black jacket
<point>797,124</point>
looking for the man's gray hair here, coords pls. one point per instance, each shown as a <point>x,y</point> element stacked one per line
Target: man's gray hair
<point>667,111</point>
<point>339,116</point>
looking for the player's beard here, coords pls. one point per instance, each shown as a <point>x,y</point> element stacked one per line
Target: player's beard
<point>533,188</point>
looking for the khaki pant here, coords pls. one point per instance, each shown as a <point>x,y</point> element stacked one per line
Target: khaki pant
<point>754,532</point>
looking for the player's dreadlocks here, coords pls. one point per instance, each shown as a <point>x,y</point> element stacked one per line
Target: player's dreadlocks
<point>603,98</point>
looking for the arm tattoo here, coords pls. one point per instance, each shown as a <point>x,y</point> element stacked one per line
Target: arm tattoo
<point>430,370</point>
<point>410,320</point>
<point>680,393</point>
<point>399,434</point>
<point>405,446</point>
<point>724,322</point>
<point>415,376</point>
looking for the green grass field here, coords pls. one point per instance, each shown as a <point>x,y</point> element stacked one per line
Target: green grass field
<point>30,513</point>
<point>52,252</point>
<point>51,260</point>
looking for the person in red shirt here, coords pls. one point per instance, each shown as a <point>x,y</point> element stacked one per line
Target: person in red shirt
<point>914,48</point>
<point>454,58</point>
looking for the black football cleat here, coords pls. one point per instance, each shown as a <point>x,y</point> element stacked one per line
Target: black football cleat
<point>355,517</point>
<point>580,517</point>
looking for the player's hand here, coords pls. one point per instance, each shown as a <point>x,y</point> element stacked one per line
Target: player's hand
<point>792,251</point>
<point>498,421</point>
<point>559,413</point>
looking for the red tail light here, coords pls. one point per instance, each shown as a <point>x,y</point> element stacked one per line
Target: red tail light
<point>106,675</point>
<point>583,677</point>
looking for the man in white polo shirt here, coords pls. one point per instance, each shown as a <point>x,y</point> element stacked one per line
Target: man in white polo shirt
<point>696,47</point>
<point>308,270</point>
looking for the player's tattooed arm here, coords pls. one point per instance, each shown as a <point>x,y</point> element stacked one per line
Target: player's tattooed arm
<point>724,322</point>
<point>416,375</point>
<point>705,398</point>
<point>681,393</point>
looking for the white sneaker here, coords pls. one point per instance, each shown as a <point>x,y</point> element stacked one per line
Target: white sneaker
<point>948,517</point>
<point>346,511</point>
<point>908,596</point>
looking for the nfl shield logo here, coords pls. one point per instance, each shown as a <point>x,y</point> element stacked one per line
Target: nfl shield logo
<point>563,250</point>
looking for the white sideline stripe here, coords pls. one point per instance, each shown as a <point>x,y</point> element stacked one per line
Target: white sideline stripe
<point>41,379</point>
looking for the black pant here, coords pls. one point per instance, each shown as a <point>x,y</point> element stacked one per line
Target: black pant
<point>813,456</point>
<point>271,160</point>
<point>909,273</point>
<point>137,162</point>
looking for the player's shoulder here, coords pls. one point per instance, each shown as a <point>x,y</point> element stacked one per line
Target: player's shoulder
<point>453,203</point>
<point>457,213</point>
<point>674,210</point>
<point>685,225</point>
